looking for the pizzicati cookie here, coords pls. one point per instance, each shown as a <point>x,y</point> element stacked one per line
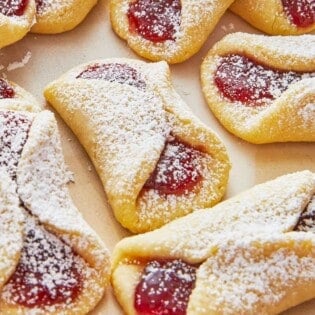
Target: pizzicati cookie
<point>16,19</point>
<point>277,17</point>
<point>156,160</point>
<point>262,88</point>
<point>251,254</point>
<point>171,30</point>
<point>56,16</point>
<point>58,265</point>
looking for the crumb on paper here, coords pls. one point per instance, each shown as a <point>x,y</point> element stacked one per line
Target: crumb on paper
<point>228,28</point>
<point>20,64</point>
<point>90,168</point>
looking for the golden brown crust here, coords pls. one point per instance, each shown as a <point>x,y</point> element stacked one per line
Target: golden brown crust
<point>197,21</point>
<point>61,16</point>
<point>268,16</point>
<point>290,116</point>
<point>237,241</point>
<point>146,118</point>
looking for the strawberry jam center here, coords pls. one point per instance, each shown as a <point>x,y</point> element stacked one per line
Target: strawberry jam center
<point>13,7</point>
<point>164,288</point>
<point>300,12</point>
<point>177,171</point>
<point>6,91</point>
<point>48,272</point>
<point>241,79</point>
<point>155,20</point>
<point>14,128</point>
<point>114,72</point>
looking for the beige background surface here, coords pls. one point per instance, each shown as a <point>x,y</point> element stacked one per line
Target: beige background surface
<point>38,59</point>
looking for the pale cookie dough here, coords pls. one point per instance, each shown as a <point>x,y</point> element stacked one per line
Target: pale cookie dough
<point>57,251</point>
<point>252,254</point>
<point>57,16</point>
<point>191,25</point>
<point>131,116</point>
<point>271,17</point>
<point>285,114</point>
<point>13,25</point>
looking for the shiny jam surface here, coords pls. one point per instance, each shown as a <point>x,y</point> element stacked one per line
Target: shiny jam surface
<point>114,72</point>
<point>300,12</point>
<point>48,272</point>
<point>14,128</point>
<point>177,171</point>
<point>164,288</point>
<point>6,91</point>
<point>155,20</point>
<point>241,79</point>
<point>13,7</point>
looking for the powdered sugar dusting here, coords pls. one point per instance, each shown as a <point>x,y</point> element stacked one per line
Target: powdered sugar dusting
<point>251,277</point>
<point>11,226</point>
<point>14,128</point>
<point>45,6</point>
<point>130,127</point>
<point>48,272</point>
<point>281,114</point>
<point>197,20</point>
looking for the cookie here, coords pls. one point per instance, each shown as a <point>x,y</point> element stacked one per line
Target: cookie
<point>262,89</point>
<point>55,16</point>
<point>251,254</point>
<point>156,160</point>
<point>16,19</point>
<point>60,265</point>
<point>171,30</point>
<point>278,17</point>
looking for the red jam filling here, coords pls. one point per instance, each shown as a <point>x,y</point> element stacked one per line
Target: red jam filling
<point>164,288</point>
<point>177,171</point>
<point>114,72</point>
<point>155,20</point>
<point>306,221</point>
<point>13,7</point>
<point>300,12</point>
<point>14,128</point>
<point>241,79</point>
<point>47,274</point>
<point>6,91</point>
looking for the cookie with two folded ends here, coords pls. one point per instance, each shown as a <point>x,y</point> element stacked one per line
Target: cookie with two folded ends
<point>251,254</point>
<point>16,20</point>
<point>156,160</point>
<point>277,17</point>
<point>54,16</point>
<point>57,264</point>
<point>172,30</point>
<point>262,88</point>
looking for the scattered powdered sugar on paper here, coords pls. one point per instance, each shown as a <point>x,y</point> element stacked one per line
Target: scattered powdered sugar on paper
<point>20,64</point>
